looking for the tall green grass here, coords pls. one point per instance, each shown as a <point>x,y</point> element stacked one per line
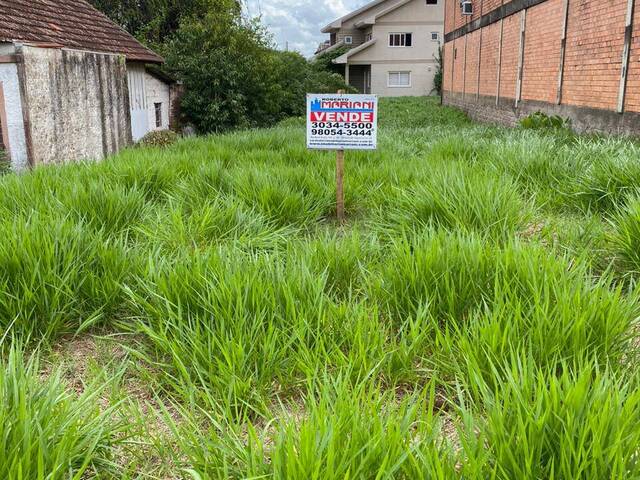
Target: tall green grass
<point>48,433</point>
<point>473,318</point>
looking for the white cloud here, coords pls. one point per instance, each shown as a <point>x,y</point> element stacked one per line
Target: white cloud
<point>297,23</point>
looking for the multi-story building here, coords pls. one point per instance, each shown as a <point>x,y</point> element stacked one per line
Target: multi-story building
<point>392,46</point>
<point>504,59</point>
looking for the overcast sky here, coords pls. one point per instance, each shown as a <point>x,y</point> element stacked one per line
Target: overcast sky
<point>299,21</point>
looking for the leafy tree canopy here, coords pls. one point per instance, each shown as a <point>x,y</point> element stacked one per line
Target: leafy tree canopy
<point>233,75</point>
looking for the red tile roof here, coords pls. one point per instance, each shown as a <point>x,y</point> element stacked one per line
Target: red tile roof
<point>68,23</point>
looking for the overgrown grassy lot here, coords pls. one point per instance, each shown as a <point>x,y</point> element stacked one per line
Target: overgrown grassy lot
<point>196,312</point>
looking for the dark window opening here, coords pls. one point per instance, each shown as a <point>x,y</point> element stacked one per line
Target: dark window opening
<point>399,39</point>
<point>3,147</point>
<point>432,2</point>
<point>158,107</point>
<point>1,138</point>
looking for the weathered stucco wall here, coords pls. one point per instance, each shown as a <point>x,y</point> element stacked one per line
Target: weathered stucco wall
<point>157,92</point>
<point>15,121</point>
<point>77,104</point>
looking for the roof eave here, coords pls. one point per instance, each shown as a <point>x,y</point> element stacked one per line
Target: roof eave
<point>332,27</point>
<point>154,59</point>
<point>344,58</point>
<point>336,24</point>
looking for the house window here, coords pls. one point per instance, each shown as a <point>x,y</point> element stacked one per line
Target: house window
<point>348,40</point>
<point>158,108</point>
<point>399,39</point>
<point>434,36</point>
<point>399,79</point>
<point>432,2</point>
<point>368,37</point>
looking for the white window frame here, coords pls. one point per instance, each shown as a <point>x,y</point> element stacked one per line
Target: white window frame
<point>398,72</point>
<point>437,39</point>
<point>403,39</point>
<point>348,39</point>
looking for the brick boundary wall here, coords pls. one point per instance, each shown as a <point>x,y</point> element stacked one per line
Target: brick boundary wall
<point>576,59</point>
<point>584,119</point>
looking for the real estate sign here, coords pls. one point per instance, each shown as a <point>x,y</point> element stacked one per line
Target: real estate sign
<point>342,121</point>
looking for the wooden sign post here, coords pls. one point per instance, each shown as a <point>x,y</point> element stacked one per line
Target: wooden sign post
<point>339,187</point>
<point>339,180</point>
<point>341,122</point>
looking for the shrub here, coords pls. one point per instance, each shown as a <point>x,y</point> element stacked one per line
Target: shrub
<point>5,164</point>
<point>542,121</point>
<point>159,138</point>
<point>438,75</point>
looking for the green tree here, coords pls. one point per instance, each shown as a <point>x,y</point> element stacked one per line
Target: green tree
<point>153,21</point>
<point>233,75</point>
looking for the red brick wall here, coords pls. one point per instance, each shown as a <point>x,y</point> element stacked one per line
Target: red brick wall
<point>632,97</point>
<point>471,76</point>
<point>454,19</point>
<point>458,65</point>
<point>595,37</point>
<point>593,55</point>
<point>489,59</point>
<point>459,19</point>
<point>542,51</point>
<point>489,5</point>
<point>450,12</point>
<point>510,50</point>
<point>448,55</point>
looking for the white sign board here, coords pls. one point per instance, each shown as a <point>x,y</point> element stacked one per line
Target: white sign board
<point>342,121</point>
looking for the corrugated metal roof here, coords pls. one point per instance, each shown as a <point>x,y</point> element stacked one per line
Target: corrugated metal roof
<point>71,24</point>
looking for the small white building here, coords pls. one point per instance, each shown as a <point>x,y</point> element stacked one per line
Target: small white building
<point>151,94</point>
<point>74,85</point>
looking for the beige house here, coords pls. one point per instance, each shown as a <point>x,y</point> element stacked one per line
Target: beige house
<point>392,46</point>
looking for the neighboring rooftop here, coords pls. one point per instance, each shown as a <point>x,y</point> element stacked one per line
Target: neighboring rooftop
<point>71,24</point>
<point>336,24</point>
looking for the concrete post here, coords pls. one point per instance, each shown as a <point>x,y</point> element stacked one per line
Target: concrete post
<point>628,30</point>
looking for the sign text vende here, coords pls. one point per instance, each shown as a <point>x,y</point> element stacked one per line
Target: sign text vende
<point>342,116</point>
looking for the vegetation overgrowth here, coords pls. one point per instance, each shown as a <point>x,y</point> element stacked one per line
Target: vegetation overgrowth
<point>232,73</point>
<point>475,317</point>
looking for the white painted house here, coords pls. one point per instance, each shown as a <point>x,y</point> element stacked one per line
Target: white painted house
<point>150,94</point>
<point>392,46</point>
<point>74,85</point>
